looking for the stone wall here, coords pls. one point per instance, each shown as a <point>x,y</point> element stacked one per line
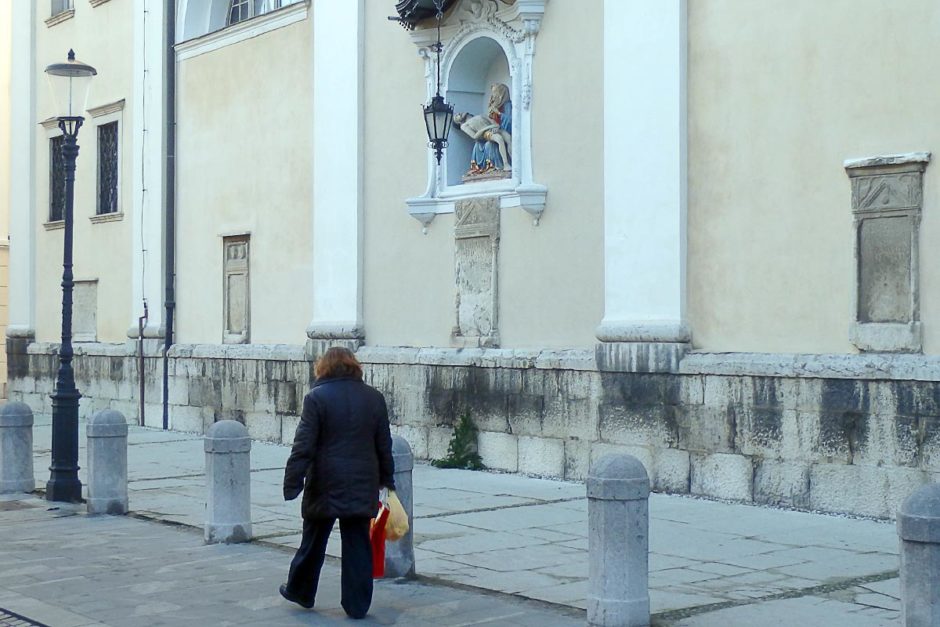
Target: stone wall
<point>851,434</point>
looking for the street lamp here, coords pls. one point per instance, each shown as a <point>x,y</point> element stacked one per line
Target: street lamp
<point>438,115</point>
<point>69,83</point>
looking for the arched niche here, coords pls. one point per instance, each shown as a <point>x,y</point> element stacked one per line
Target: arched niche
<point>478,65</point>
<point>484,42</point>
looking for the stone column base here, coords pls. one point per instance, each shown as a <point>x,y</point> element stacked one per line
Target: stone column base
<point>321,338</point>
<point>642,346</point>
<point>640,356</point>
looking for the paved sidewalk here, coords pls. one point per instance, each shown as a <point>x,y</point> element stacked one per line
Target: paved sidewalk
<point>710,564</point>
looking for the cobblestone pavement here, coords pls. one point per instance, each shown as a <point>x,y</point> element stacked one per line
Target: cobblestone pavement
<point>711,563</point>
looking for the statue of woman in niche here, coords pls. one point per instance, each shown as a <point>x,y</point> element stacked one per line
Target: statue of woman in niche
<point>492,150</point>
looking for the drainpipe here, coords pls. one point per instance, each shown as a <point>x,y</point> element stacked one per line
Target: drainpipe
<point>170,195</point>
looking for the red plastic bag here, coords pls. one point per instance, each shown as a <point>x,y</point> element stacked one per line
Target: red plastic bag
<point>377,538</point>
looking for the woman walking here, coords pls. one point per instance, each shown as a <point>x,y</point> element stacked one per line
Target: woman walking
<point>342,456</point>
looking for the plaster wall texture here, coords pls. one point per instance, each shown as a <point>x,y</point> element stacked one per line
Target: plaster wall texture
<point>5,122</point>
<point>412,274</point>
<point>6,59</point>
<point>780,95</point>
<point>245,169</point>
<point>96,34</point>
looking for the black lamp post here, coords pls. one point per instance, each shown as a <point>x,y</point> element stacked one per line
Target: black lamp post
<point>69,82</point>
<point>438,115</point>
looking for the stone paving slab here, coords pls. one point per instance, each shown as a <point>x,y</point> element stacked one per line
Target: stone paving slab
<point>119,571</point>
<point>528,537</point>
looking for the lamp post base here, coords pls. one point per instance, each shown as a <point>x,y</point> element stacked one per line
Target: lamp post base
<point>64,489</point>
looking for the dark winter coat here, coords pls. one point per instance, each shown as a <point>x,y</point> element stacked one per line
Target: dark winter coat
<point>342,451</point>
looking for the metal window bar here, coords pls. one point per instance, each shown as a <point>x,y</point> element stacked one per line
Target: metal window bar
<point>56,180</point>
<point>61,6</point>
<point>107,168</point>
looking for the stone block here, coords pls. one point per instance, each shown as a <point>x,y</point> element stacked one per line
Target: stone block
<point>671,469</point>
<point>692,390</point>
<point>499,450</point>
<point>759,430</point>
<point>577,459</point>
<point>724,391</point>
<point>542,456</point>
<point>438,441</point>
<point>178,391</point>
<point>129,409</point>
<point>864,490</point>
<point>289,428</point>
<point>153,415</point>
<point>417,438</point>
<point>263,426</point>
<point>782,483</point>
<point>722,475</point>
<point>708,429</point>
<point>186,418</point>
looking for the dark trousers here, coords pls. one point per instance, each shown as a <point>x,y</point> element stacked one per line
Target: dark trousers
<point>356,581</point>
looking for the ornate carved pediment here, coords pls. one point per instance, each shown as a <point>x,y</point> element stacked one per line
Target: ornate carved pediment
<point>482,39</point>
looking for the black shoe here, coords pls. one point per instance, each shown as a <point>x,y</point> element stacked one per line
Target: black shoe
<point>294,599</point>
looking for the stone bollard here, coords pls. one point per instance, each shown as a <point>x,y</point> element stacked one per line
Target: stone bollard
<point>228,477</point>
<point>16,448</point>
<point>400,555</point>
<point>919,531</point>
<point>618,490</point>
<point>107,463</point>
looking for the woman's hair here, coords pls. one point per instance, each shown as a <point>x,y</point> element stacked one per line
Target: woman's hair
<point>338,362</point>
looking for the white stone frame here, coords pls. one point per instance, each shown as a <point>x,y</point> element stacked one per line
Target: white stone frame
<point>106,114</point>
<point>514,28</point>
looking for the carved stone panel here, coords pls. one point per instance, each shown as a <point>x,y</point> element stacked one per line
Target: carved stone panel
<point>236,293</point>
<point>884,285</point>
<point>887,195</point>
<point>85,311</point>
<point>476,258</point>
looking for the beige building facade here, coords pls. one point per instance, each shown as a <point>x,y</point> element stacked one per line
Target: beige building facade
<point>710,246</point>
<point>6,51</point>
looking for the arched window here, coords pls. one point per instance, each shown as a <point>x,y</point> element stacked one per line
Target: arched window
<point>241,10</point>
<point>200,17</point>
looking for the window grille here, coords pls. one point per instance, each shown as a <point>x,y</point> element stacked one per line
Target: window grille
<point>56,180</point>
<point>61,6</point>
<point>107,168</point>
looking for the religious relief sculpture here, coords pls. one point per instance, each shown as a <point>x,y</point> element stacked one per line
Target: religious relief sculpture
<point>492,134</point>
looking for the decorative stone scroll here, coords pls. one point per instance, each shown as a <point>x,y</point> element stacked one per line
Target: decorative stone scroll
<point>476,257</point>
<point>887,201</point>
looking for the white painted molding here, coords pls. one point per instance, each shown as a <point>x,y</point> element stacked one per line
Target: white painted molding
<point>58,18</point>
<point>515,28</point>
<point>96,3</point>
<point>107,217</point>
<point>55,225</point>
<point>241,31</point>
<point>106,109</point>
